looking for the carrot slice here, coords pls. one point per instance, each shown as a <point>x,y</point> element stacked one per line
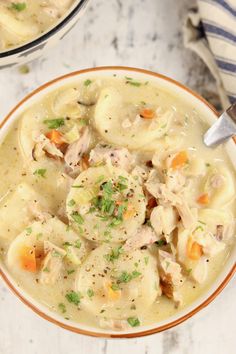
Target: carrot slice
<point>147,113</point>
<point>28,259</point>
<point>129,213</point>
<point>194,250</point>
<point>203,199</point>
<point>85,162</point>
<point>112,294</point>
<point>55,137</point>
<point>179,160</point>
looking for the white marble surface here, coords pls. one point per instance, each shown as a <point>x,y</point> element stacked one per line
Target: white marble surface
<point>141,33</point>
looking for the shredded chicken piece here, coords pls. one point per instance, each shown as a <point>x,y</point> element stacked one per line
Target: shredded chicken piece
<point>188,215</point>
<point>52,263</point>
<point>160,190</point>
<point>159,157</point>
<point>171,277</point>
<point>43,144</point>
<point>76,150</point>
<point>140,174</point>
<point>51,11</point>
<point>126,123</point>
<point>229,230</point>
<point>200,271</point>
<point>119,157</point>
<point>163,220</point>
<point>175,181</point>
<point>211,246</point>
<point>144,236</point>
<point>219,232</point>
<point>217,181</point>
<point>117,325</point>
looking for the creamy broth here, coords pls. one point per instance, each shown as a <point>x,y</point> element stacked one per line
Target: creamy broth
<point>122,217</point>
<point>23,21</point>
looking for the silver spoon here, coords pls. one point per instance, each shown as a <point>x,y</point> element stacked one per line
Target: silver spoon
<point>223,129</point>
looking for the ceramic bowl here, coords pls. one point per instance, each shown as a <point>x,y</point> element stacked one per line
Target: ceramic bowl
<point>210,115</point>
<point>34,49</point>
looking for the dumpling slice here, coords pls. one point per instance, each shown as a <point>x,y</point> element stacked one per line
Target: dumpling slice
<point>117,285</point>
<point>16,30</point>
<point>106,204</point>
<point>194,248</point>
<point>17,210</point>
<point>120,123</point>
<point>219,223</point>
<point>41,249</point>
<point>219,186</point>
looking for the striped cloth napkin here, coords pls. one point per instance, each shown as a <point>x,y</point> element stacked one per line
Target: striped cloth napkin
<point>210,31</point>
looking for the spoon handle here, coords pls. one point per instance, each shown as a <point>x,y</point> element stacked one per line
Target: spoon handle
<point>223,129</point>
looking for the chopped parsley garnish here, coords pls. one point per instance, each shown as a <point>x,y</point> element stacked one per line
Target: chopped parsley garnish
<point>130,80</point>
<point>160,243</point>
<point>199,228</point>
<point>146,259</point>
<point>115,222</point>
<point>87,82</point>
<point>115,287</point>
<point>18,6</point>
<point>133,321</point>
<point>39,235</point>
<point>126,277</point>
<point>71,202</point>
<point>28,230</point>
<point>67,244</point>
<point>107,188</point>
<point>78,244</point>
<point>83,121</point>
<point>167,264</point>
<point>202,222</point>
<point>77,217</point>
<point>111,203</point>
<point>90,293</point>
<point>100,179</point>
<point>70,271</point>
<point>40,172</point>
<point>115,253</point>
<point>74,297</point>
<point>122,183</point>
<point>62,307</point>
<point>56,254</point>
<point>189,271</point>
<point>77,186</point>
<point>133,83</point>
<point>54,123</point>
<point>46,270</point>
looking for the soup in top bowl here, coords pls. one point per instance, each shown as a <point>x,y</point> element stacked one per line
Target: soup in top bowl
<point>122,217</point>
<point>23,21</point>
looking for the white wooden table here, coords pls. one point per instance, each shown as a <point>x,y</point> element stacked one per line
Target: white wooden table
<point>141,33</point>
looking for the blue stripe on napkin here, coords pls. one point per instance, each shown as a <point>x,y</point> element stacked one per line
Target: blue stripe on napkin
<point>219,31</point>
<point>221,34</point>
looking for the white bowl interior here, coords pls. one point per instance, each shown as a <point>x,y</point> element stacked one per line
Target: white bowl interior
<point>204,111</point>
